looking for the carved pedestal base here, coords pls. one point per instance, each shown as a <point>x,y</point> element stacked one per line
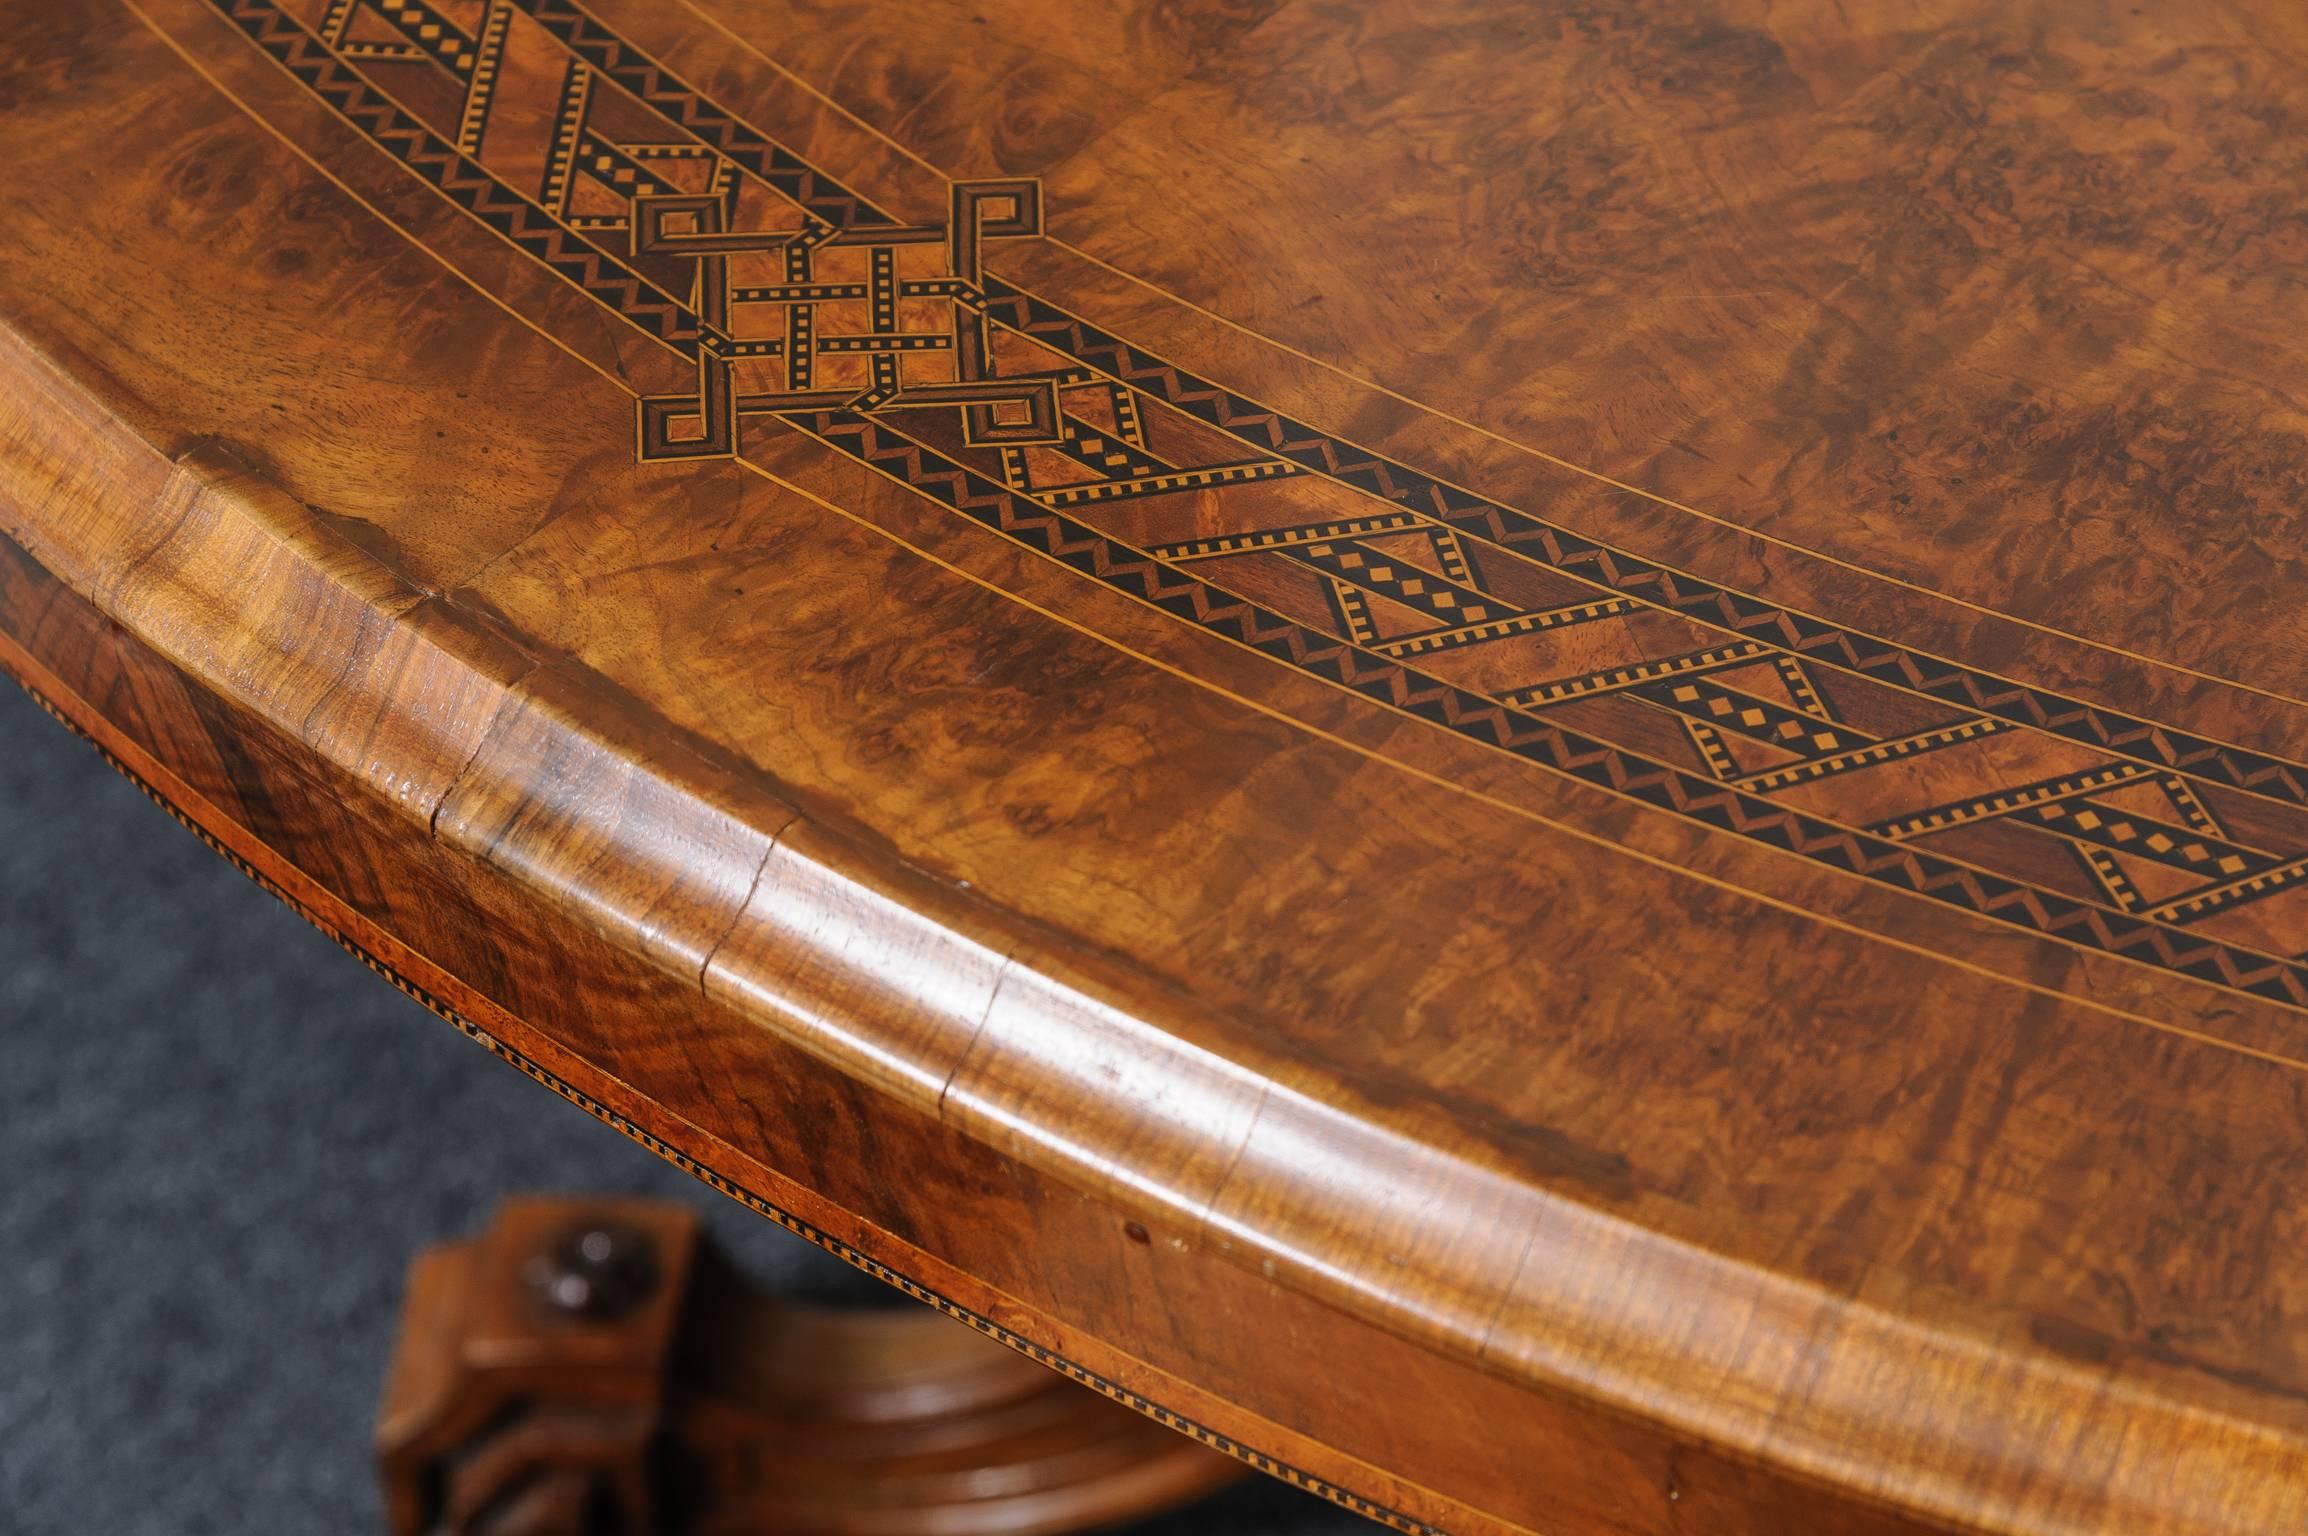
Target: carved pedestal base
<point>590,1367</point>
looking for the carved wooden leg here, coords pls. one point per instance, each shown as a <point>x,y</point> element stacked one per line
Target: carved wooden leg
<point>590,1367</point>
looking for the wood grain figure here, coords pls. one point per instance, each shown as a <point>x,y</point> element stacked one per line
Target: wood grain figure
<point>1545,763</point>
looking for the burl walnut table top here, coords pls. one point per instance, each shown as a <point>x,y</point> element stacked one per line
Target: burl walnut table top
<point>1545,761</point>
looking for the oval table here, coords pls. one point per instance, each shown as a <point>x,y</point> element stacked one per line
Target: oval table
<point>1543,763</point>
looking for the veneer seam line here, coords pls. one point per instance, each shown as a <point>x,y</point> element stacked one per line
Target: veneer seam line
<point>744,905</point>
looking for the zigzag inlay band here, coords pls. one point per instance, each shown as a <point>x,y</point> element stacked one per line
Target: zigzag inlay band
<point>1539,740</point>
<point>1657,585</point>
<point>1509,722</point>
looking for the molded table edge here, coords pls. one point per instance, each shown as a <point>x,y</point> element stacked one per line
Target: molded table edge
<point>985,1020</point>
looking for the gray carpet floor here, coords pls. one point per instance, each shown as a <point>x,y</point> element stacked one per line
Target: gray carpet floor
<point>220,1140</point>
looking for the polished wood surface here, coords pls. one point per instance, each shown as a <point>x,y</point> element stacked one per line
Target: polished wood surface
<point>1546,762</point>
